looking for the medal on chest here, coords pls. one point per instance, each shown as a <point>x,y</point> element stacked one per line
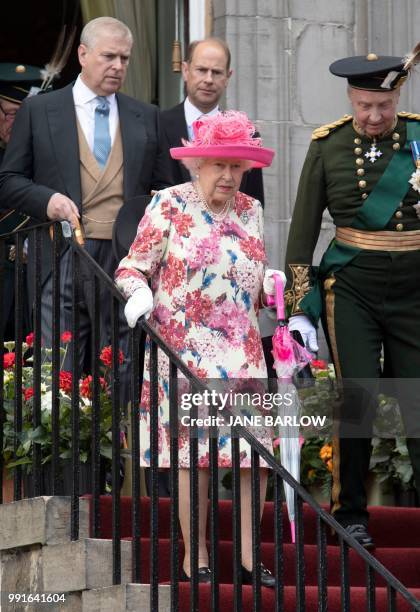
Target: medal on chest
<point>374,153</point>
<point>415,177</point>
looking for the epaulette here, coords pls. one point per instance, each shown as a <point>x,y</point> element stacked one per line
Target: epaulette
<point>324,130</point>
<point>406,115</point>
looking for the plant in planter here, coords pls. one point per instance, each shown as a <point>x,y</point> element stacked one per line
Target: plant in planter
<point>42,435</point>
<point>391,464</point>
<point>390,461</point>
<point>316,466</point>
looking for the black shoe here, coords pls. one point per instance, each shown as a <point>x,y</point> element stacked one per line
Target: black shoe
<point>361,534</point>
<point>204,575</point>
<point>267,578</point>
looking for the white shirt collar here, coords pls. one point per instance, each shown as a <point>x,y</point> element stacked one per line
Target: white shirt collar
<point>192,113</point>
<point>82,94</point>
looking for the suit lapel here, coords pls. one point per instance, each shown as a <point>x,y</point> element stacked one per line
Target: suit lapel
<point>176,129</point>
<point>134,138</point>
<point>62,123</point>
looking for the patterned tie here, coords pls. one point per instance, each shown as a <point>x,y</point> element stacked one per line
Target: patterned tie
<point>102,138</point>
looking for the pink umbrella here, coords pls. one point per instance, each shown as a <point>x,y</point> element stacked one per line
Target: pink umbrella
<point>289,358</point>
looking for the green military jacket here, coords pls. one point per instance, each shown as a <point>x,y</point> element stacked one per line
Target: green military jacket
<point>338,176</point>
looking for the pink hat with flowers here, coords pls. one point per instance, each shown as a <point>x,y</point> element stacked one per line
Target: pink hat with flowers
<point>227,135</point>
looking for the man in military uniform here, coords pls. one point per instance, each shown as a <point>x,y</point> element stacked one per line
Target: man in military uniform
<point>367,291</point>
<point>17,82</point>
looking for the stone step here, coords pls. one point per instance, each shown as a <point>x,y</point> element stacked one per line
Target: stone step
<point>83,564</point>
<point>40,520</point>
<point>125,598</point>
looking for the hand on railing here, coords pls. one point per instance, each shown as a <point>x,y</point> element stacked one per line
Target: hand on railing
<point>140,303</point>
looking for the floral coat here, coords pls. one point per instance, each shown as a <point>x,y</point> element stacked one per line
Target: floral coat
<point>206,277</point>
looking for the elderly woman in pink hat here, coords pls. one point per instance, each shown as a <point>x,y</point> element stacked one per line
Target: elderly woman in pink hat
<point>201,245</point>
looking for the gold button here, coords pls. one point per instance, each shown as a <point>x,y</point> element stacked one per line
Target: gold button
<point>357,141</point>
<point>399,227</point>
<point>371,57</point>
<point>364,196</point>
<point>362,184</point>
<point>395,136</point>
<point>396,146</point>
<point>399,214</point>
<point>360,172</point>
<point>20,69</point>
<point>360,161</point>
<point>358,151</point>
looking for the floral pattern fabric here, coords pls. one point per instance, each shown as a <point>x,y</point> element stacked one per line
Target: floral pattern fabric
<point>206,277</point>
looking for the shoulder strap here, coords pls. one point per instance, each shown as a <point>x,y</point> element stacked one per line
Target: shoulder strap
<point>324,130</point>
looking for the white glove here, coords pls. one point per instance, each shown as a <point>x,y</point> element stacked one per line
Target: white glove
<point>268,282</point>
<point>302,324</point>
<point>140,303</point>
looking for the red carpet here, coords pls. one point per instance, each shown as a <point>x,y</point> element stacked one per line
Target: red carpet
<point>396,532</point>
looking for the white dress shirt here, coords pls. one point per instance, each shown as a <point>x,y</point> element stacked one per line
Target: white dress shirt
<point>192,113</point>
<point>85,102</point>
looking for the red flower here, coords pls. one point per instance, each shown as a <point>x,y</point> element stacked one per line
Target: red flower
<point>9,360</point>
<point>319,364</point>
<point>106,356</point>
<point>172,273</point>
<point>199,372</point>
<point>28,393</point>
<point>182,223</point>
<point>30,339</point>
<point>66,337</point>
<point>198,307</point>
<point>242,203</point>
<point>148,236</point>
<point>253,347</point>
<point>253,249</point>
<point>86,386</point>
<point>174,334</point>
<point>65,381</point>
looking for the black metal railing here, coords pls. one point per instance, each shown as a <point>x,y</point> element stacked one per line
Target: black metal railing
<point>61,234</point>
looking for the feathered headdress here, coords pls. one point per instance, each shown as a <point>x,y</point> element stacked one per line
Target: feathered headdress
<point>59,58</point>
<point>413,58</point>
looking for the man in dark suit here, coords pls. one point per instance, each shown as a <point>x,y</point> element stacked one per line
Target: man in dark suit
<point>83,152</point>
<point>206,72</point>
<point>17,81</point>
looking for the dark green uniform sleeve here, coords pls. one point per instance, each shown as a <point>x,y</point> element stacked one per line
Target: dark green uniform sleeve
<point>311,201</point>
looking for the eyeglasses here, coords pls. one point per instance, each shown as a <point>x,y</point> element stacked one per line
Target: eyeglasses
<point>8,116</point>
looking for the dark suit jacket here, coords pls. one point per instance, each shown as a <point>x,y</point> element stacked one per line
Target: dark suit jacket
<point>175,128</point>
<point>42,157</point>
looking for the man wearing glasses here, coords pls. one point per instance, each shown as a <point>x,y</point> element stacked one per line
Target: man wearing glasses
<point>17,82</point>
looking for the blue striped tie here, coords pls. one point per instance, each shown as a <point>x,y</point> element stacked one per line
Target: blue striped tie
<point>102,138</point>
